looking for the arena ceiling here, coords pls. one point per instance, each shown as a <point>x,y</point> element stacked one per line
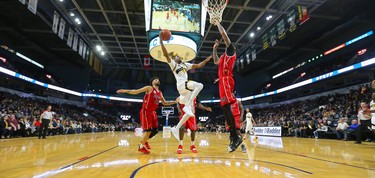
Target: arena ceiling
<point>119,26</point>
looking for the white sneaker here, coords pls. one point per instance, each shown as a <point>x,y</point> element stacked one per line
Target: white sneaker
<point>175,133</point>
<point>188,111</point>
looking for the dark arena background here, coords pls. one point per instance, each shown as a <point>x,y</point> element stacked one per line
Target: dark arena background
<point>74,100</point>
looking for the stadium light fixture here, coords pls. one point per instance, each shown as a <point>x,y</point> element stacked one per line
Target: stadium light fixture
<point>102,53</point>
<point>258,28</point>
<point>252,34</point>
<point>98,48</point>
<point>72,14</point>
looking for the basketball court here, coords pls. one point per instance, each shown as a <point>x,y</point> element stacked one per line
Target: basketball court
<point>106,45</point>
<point>178,22</point>
<point>113,155</point>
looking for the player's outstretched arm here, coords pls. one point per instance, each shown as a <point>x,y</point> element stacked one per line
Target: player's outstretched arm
<point>224,35</point>
<point>165,52</point>
<point>167,103</point>
<point>146,89</point>
<point>201,64</point>
<point>202,107</point>
<point>214,52</point>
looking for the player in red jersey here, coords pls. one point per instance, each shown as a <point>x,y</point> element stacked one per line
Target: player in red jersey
<point>226,85</point>
<point>190,124</point>
<point>148,117</point>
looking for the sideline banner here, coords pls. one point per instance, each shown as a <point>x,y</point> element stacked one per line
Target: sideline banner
<point>268,131</point>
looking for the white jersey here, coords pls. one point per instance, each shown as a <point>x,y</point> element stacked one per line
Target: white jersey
<point>249,116</point>
<point>249,123</point>
<point>180,71</point>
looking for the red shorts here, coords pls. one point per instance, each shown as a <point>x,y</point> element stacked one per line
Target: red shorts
<point>191,123</point>
<point>149,119</point>
<point>237,121</point>
<point>235,108</point>
<point>226,89</point>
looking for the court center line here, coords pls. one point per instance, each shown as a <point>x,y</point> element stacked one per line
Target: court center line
<point>291,167</point>
<point>89,157</point>
<point>139,168</point>
<point>267,162</point>
<point>305,156</point>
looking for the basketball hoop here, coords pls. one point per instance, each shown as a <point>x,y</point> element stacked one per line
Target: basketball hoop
<point>215,9</point>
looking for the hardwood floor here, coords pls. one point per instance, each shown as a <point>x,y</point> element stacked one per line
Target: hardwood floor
<point>116,155</point>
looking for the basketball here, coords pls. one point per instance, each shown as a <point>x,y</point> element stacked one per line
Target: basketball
<point>166,34</point>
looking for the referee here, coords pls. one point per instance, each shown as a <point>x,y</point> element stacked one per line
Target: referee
<point>45,119</point>
<point>364,122</point>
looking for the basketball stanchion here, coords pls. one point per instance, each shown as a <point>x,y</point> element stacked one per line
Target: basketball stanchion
<point>166,128</point>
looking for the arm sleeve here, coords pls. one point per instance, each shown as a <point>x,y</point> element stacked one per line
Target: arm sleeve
<point>172,64</point>
<point>188,66</point>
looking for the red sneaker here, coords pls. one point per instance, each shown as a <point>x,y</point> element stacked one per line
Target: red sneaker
<point>193,149</point>
<point>147,146</point>
<point>143,150</point>
<point>179,150</point>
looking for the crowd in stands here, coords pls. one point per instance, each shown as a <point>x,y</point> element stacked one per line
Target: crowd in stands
<point>20,118</point>
<point>332,116</point>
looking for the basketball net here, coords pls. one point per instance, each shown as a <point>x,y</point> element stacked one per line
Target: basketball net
<point>215,9</point>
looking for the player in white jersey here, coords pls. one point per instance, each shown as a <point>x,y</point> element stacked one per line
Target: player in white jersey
<point>249,122</point>
<point>187,89</point>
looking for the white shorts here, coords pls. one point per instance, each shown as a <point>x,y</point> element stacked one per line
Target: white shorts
<point>249,127</point>
<point>185,90</point>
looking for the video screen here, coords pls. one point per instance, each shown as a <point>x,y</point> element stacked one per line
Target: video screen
<point>176,15</point>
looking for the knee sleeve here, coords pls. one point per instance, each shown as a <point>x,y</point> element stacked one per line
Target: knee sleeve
<point>198,86</point>
<point>153,132</point>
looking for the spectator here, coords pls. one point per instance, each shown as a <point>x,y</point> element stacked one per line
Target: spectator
<point>321,131</point>
<point>15,125</point>
<point>5,128</point>
<point>341,129</point>
<point>310,129</point>
<point>303,129</point>
<point>351,129</point>
<point>296,128</point>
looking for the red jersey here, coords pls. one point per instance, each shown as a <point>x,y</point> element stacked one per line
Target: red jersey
<point>226,65</point>
<point>151,100</point>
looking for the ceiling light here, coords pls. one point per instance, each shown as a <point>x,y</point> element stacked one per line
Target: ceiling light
<point>77,19</point>
<point>79,22</point>
<point>252,34</point>
<point>258,28</point>
<point>98,48</point>
<point>102,53</point>
<point>61,0</point>
<point>72,14</point>
<point>269,17</point>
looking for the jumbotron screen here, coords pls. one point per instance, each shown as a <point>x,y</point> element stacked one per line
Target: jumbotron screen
<point>176,15</point>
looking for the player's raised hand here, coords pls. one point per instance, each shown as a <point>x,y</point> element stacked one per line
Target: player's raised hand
<point>216,45</point>
<point>209,58</point>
